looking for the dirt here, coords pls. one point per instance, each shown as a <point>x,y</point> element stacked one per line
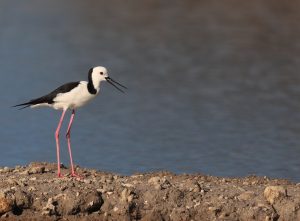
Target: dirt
<point>34,192</point>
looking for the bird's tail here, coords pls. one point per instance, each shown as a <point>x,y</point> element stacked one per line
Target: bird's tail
<point>32,102</point>
<point>23,105</point>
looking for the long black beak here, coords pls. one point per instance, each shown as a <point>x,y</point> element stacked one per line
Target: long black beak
<point>111,81</point>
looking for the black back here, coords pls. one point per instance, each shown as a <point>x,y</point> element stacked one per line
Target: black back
<point>49,98</point>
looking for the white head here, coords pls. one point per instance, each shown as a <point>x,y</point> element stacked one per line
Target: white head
<point>98,74</point>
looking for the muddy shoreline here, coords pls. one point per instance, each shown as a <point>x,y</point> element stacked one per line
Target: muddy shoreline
<point>34,192</point>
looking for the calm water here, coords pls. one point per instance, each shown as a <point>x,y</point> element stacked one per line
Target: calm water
<point>213,87</point>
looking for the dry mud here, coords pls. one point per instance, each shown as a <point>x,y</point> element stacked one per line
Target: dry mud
<point>34,192</point>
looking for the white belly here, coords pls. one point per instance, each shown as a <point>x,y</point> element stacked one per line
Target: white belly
<point>77,97</point>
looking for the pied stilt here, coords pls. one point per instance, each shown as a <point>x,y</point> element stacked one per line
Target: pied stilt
<point>71,96</point>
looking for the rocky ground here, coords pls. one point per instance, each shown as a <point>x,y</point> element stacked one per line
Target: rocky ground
<point>34,192</point>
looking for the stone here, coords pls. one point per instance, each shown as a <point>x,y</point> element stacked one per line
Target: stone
<point>128,185</point>
<point>50,208</point>
<point>154,180</point>
<point>25,172</point>
<point>31,189</point>
<point>12,182</point>
<point>71,204</point>
<point>214,209</point>
<point>87,181</point>
<point>245,196</point>
<point>157,186</point>
<point>6,205</point>
<point>274,193</point>
<point>124,194</point>
<point>23,200</point>
<point>130,198</point>
<point>36,169</point>
<point>94,202</point>
<point>7,169</point>
<point>159,183</point>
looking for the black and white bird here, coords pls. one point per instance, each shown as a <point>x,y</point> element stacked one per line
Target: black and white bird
<point>72,96</point>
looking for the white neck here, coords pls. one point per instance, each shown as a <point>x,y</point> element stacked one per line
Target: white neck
<point>93,84</point>
<point>96,84</point>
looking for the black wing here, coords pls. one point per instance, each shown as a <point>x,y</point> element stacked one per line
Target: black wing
<point>49,98</point>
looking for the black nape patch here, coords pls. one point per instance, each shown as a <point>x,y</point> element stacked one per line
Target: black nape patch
<point>91,71</point>
<point>91,88</point>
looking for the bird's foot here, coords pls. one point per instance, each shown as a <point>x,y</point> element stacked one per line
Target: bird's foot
<point>73,174</point>
<point>59,175</point>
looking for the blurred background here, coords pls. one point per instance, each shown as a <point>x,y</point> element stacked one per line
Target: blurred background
<point>213,85</point>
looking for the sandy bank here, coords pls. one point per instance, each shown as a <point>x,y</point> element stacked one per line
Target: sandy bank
<point>34,192</point>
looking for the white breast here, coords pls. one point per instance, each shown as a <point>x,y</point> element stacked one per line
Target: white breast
<point>75,98</point>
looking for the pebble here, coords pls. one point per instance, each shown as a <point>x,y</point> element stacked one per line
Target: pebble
<point>63,188</point>
<point>274,193</point>
<point>128,185</point>
<point>159,183</point>
<point>115,209</point>
<point>212,208</point>
<point>254,183</point>
<point>22,199</point>
<point>87,181</point>
<point>130,198</point>
<point>245,196</point>
<point>35,170</point>
<point>137,176</point>
<point>25,172</point>
<point>246,183</point>
<point>157,186</point>
<point>31,188</point>
<point>49,209</point>
<point>223,180</point>
<point>5,215</point>
<point>241,189</point>
<point>7,169</point>
<point>6,205</point>
<point>154,180</point>
<point>135,182</point>
<point>197,204</point>
<point>124,194</point>
<point>12,182</point>
<point>59,196</point>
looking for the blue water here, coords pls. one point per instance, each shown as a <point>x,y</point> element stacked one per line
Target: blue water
<point>213,87</point>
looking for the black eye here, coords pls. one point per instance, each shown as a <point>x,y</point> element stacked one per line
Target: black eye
<point>101,73</point>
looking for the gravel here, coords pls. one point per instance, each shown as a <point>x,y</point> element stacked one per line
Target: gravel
<point>34,192</point>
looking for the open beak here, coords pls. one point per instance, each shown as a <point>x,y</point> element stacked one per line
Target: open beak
<point>114,83</point>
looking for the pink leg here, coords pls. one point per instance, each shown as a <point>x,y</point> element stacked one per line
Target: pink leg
<point>57,142</point>
<point>68,135</point>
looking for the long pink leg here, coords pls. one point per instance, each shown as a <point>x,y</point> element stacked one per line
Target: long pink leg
<point>57,142</point>
<point>68,135</point>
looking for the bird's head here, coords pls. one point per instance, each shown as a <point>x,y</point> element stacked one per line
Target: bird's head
<point>98,74</point>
